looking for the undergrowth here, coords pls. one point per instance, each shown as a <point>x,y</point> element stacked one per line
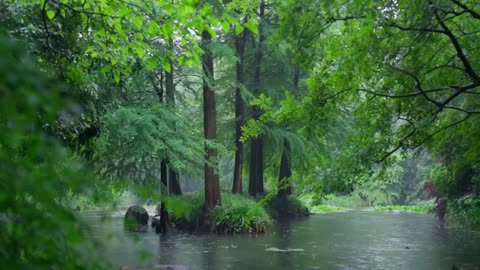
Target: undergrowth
<point>465,210</point>
<point>238,213</point>
<point>404,208</point>
<point>290,208</point>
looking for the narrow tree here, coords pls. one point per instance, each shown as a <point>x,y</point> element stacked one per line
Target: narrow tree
<point>255,185</point>
<point>284,184</point>
<point>174,180</point>
<point>212,183</point>
<point>239,111</point>
<point>158,85</point>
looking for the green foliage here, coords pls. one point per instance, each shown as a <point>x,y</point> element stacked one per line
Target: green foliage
<point>466,210</point>
<point>326,208</point>
<point>187,211</point>
<point>290,208</point>
<point>343,201</point>
<point>314,203</point>
<point>425,207</point>
<point>38,230</point>
<point>135,139</point>
<point>238,213</point>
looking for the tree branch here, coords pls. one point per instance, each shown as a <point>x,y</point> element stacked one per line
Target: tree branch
<point>44,20</point>
<point>462,110</point>
<point>418,85</point>
<point>398,146</point>
<point>74,10</point>
<point>407,95</point>
<point>470,11</point>
<point>468,67</point>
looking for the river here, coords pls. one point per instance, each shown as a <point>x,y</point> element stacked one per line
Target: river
<point>337,240</point>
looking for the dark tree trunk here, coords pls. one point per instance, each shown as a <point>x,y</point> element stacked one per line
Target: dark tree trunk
<point>212,183</point>
<point>284,185</point>
<point>174,184</point>
<point>174,180</point>
<point>255,184</point>
<point>296,78</point>
<point>162,227</point>
<point>239,112</point>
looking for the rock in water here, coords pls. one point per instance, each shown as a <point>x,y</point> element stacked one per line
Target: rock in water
<point>136,215</point>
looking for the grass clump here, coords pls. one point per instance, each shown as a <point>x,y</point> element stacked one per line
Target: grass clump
<point>238,213</point>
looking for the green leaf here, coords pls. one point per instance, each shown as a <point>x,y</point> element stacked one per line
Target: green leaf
<point>50,14</point>
<point>116,76</point>
<point>106,68</point>
<point>238,29</point>
<point>211,32</point>
<point>252,26</point>
<point>151,63</point>
<point>137,21</point>
<point>166,65</point>
<point>140,52</point>
<point>225,26</point>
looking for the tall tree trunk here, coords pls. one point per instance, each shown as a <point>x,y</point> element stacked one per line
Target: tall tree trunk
<point>174,179</point>
<point>239,112</point>
<point>255,184</point>
<point>284,184</point>
<point>162,227</point>
<point>212,183</point>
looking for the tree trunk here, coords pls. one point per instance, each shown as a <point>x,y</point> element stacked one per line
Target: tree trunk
<point>284,185</point>
<point>212,183</point>
<point>256,146</point>
<point>162,227</point>
<point>239,112</point>
<point>174,184</point>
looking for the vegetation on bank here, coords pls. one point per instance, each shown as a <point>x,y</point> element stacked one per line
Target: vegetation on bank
<point>332,202</point>
<point>238,213</point>
<point>290,207</point>
<point>465,210</point>
<point>404,208</point>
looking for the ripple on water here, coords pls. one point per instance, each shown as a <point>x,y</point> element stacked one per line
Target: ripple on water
<point>274,249</point>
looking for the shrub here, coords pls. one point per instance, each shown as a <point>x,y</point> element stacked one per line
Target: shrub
<point>292,207</point>
<point>466,210</point>
<point>238,213</point>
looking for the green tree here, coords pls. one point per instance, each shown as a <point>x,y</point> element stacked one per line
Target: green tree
<point>37,172</point>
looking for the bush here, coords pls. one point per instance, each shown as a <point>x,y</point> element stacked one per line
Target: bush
<point>465,210</point>
<point>238,213</point>
<point>292,207</point>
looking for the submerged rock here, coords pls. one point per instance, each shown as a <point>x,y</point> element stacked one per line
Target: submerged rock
<point>135,216</point>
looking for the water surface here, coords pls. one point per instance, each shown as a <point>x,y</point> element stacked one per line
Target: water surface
<point>340,240</point>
